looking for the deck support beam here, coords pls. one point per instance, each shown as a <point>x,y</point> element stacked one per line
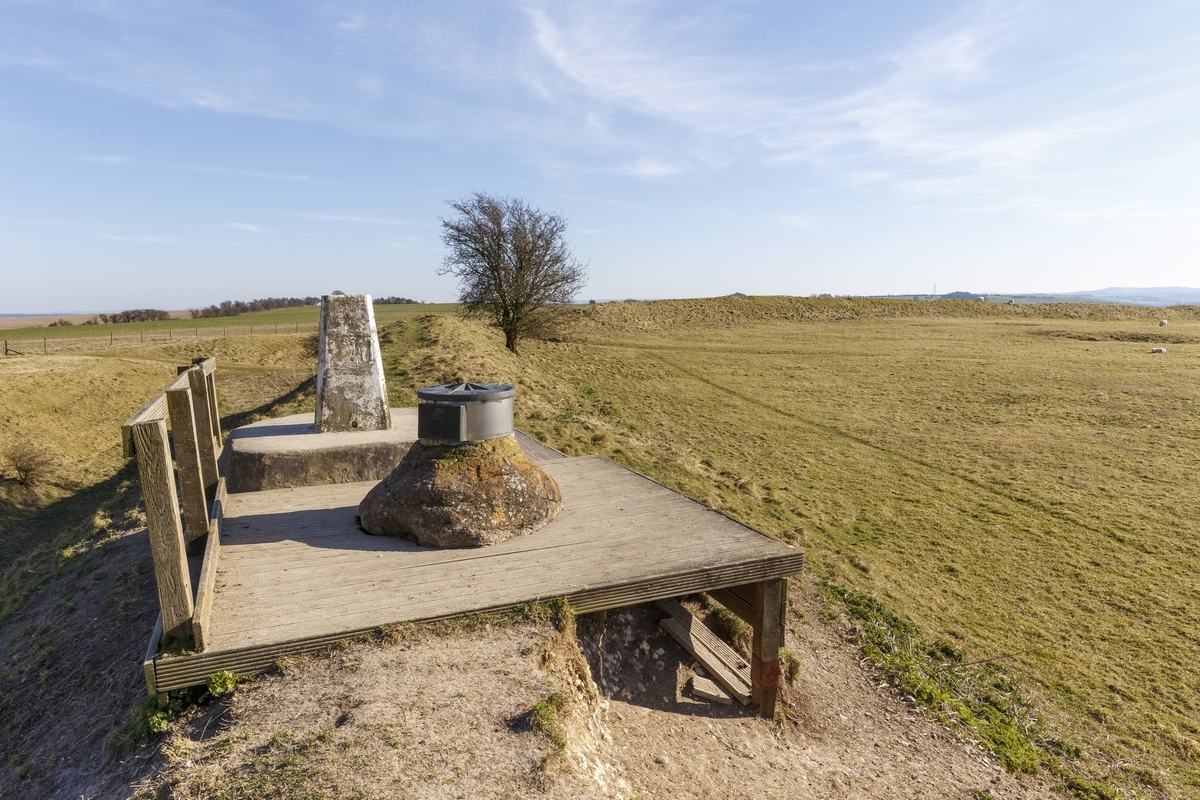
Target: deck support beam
<point>167,546</point>
<point>769,605</point>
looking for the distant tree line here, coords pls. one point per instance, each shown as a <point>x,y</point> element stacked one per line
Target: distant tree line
<point>392,301</point>
<point>135,315</point>
<point>232,308</point>
<point>63,323</point>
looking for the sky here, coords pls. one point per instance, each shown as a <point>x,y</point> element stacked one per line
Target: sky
<point>173,155</point>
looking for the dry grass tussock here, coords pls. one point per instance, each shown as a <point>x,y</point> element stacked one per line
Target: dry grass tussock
<point>28,461</point>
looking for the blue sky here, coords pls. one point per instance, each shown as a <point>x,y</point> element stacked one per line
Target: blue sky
<point>175,155</point>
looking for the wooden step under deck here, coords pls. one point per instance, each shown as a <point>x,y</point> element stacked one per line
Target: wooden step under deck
<point>295,572</point>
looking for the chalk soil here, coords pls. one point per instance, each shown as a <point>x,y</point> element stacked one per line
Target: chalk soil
<point>448,716</point>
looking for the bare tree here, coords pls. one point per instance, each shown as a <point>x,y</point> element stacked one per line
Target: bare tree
<point>513,263</point>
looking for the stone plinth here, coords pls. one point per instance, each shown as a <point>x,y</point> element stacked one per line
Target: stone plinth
<point>462,495</point>
<point>287,452</point>
<point>351,395</point>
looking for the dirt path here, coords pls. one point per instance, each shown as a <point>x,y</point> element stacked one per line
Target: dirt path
<point>449,716</point>
<point>849,738</point>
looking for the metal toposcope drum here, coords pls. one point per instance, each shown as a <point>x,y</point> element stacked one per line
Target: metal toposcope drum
<point>465,412</point>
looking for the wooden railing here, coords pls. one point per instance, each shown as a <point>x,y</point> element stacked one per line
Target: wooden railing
<point>190,404</point>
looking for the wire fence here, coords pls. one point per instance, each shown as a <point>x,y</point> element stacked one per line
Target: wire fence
<point>73,343</point>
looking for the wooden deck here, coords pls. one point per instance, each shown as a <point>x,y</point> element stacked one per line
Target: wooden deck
<point>295,572</point>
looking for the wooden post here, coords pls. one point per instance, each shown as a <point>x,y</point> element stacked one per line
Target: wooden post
<point>166,530</point>
<point>769,608</point>
<point>187,461</point>
<point>214,414</point>
<point>202,406</point>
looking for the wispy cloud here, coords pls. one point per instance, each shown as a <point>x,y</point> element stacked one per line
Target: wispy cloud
<point>796,221</point>
<point>411,243</point>
<point>104,159</point>
<point>112,237</point>
<point>245,226</point>
<point>651,168</point>
<point>987,101</point>
<point>249,173</point>
<point>354,218</point>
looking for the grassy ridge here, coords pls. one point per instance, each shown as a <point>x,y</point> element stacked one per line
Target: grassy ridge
<point>719,312</point>
<point>1012,485</point>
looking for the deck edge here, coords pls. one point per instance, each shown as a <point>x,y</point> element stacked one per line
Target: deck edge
<point>192,669</point>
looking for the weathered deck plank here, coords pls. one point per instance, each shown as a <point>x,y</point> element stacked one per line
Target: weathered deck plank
<point>296,571</point>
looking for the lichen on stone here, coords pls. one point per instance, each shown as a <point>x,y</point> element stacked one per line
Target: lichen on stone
<point>462,495</point>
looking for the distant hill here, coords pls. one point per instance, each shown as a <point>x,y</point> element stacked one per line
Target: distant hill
<point>1115,295</point>
<point>1154,296</point>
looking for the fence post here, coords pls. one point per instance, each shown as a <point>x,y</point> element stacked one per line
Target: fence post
<point>206,424</point>
<point>166,530</point>
<point>187,461</point>
<point>45,351</point>
<point>210,381</point>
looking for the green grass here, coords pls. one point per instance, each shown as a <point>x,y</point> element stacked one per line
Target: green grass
<point>1013,480</point>
<point>544,718</point>
<point>284,318</point>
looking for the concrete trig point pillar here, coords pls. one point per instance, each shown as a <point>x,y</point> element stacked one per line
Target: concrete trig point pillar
<point>351,395</point>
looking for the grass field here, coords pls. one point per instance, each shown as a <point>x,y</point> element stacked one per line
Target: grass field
<point>281,317</point>
<point>1019,481</point>
<point>1014,484</point>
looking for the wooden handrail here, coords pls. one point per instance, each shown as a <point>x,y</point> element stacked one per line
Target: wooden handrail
<point>156,409</point>
<point>144,435</point>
